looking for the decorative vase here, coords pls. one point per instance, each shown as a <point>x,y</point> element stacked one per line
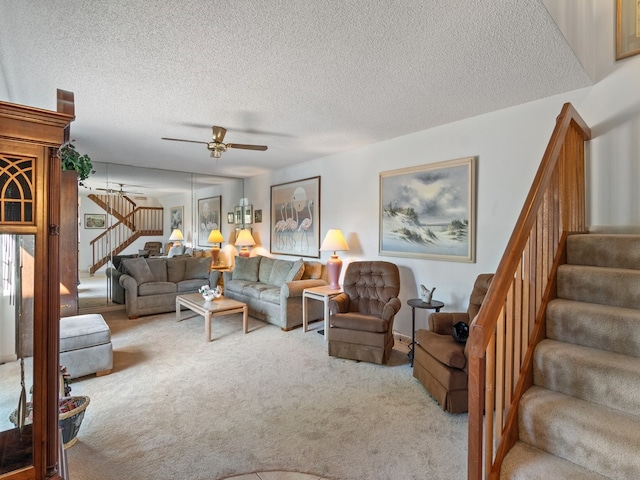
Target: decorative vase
<point>426,294</point>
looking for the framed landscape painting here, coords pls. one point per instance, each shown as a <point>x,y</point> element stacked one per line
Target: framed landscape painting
<point>95,220</point>
<point>295,218</point>
<point>208,218</point>
<point>429,211</point>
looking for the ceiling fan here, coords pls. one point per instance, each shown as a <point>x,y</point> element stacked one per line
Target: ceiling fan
<point>216,147</point>
<point>121,192</point>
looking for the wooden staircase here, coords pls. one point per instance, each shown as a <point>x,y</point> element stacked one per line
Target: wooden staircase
<point>132,223</point>
<point>511,321</point>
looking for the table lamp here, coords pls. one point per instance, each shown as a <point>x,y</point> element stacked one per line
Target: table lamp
<point>216,238</point>
<point>244,240</point>
<point>176,237</point>
<point>334,241</point>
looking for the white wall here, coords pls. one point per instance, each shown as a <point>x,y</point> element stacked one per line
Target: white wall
<point>509,145</point>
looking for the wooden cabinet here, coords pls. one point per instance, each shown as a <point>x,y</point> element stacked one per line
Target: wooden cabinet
<point>29,229</point>
<point>69,244</point>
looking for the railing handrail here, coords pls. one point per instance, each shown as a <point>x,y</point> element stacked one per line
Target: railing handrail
<point>484,330</point>
<point>500,284</point>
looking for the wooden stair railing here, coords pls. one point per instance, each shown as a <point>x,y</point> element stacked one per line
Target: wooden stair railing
<point>133,222</point>
<point>511,320</point>
<point>119,206</point>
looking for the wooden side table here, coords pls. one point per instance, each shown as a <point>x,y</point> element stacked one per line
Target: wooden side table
<point>324,294</point>
<point>418,303</point>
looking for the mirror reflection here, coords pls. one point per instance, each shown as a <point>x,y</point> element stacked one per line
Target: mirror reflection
<point>16,350</point>
<point>129,211</point>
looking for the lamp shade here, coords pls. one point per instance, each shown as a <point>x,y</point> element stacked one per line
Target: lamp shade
<point>334,241</point>
<point>215,237</point>
<point>245,239</point>
<point>176,235</point>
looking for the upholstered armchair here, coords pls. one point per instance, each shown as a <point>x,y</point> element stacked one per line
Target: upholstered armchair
<point>153,248</point>
<point>361,318</point>
<point>440,362</point>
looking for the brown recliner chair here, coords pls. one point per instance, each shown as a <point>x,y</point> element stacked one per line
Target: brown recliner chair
<point>361,318</point>
<point>154,248</point>
<point>440,362</point>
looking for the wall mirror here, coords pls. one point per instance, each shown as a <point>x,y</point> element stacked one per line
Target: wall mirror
<point>109,199</point>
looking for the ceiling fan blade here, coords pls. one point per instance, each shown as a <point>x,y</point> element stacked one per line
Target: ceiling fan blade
<point>247,147</point>
<point>183,140</point>
<point>218,133</point>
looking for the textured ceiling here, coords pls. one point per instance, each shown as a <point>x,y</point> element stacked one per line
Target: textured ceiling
<point>307,78</point>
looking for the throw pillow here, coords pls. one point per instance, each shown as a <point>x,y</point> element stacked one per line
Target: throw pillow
<point>173,251</point>
<point>279,272</point>
<point>296,272</point>
<point>266,265</point>
<point>197,268</point>
<point>246,269</point>
<point>138,269</point>
<point>312,271</point>
<point>176,268</point>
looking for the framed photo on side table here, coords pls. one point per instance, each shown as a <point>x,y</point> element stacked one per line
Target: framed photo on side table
<point>429,211</point>
<point>295,218</point>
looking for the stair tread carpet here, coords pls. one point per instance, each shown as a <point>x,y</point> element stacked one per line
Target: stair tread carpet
<point>526,462</point>
<point>615,329</point>
<point>597,376</point>
<point>604,250</point>
<point>595,437</point>
<point>606,286</point>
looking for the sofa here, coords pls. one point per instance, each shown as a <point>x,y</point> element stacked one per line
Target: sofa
<point>272,288</point>
<point>152,284</point>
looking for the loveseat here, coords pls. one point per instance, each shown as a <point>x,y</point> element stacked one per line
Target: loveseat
<point>272,288</point>
<point>152,284</point>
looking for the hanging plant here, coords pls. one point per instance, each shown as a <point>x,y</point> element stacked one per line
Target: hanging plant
<point>72,160</point>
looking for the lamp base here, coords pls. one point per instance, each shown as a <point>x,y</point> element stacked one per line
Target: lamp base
<point>244,252</point>
<point>215,256</point>
<point>334,266</point>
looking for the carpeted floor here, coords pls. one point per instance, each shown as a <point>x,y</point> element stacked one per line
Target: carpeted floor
<point>176,406</point>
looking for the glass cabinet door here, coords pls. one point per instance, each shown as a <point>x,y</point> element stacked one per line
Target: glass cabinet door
<point>16,351</point>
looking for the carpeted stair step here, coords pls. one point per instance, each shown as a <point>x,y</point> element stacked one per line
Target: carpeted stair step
<point>606,286</point>
<point>525,462</point>
<point>595,437</point>
<point>597,376</point>
<point>603,250</point>
<point>614,329</point>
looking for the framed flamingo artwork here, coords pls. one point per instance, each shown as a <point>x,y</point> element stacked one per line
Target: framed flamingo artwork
<point>295,218</point>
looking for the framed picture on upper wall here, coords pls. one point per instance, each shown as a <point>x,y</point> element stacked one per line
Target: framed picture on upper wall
<point>429,211</point>
<point>295,218</point>
<point>627,28</point>
<point>208,218</point>
<point>95,220</point>
<point>175,214</point>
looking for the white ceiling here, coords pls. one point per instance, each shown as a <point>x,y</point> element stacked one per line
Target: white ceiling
<point>307,78</point>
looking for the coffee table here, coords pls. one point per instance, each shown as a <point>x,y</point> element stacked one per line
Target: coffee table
<point>219,306</point>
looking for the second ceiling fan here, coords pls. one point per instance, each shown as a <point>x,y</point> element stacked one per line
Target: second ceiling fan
<point>216,147</point>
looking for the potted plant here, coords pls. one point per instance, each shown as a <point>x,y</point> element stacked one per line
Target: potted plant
<point>72,160</point>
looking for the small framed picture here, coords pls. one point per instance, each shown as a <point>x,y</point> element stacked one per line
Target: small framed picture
<point>257,216</point>
<point>231,217</point>
<point>95,220</point>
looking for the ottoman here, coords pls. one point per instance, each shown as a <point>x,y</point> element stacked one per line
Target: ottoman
<point>85,345</point>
